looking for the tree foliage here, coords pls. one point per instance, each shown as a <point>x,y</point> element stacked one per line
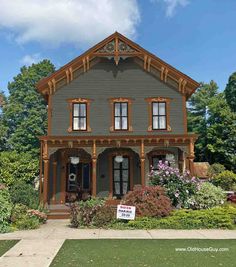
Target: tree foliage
<point>230,92</point>
<point>24,114</point>
<point>211,117</point>
<point>16,166</point>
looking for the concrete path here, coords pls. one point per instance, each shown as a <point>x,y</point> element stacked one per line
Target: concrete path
<point>39,247</point>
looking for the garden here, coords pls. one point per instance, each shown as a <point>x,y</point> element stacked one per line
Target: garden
<point>172,200</point>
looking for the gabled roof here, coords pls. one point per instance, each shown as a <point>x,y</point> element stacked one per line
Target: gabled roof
<point>117,46</point>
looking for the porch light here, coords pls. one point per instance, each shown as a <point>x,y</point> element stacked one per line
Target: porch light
<point>74,160</point>
<point>119,159</point>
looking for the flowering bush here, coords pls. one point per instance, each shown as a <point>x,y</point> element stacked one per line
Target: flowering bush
<point>150,201</point>
<point>208,196</point>
<point>179,187</point>
<point>83,212</point>
<point>39,214</point>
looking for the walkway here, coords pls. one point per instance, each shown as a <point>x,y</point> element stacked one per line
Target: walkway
<point>39,247</point>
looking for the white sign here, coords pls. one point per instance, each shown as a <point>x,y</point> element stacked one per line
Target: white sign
<point>125,212</point>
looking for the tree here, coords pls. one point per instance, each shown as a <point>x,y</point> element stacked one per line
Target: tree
<point>211,117</point>
<point>230,92</point>
<point>197,116</point>
<point>16,166</point>
<point>24,116</point>
<point>221,132</point>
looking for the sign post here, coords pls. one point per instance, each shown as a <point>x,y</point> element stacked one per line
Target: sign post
<point>125,212</point>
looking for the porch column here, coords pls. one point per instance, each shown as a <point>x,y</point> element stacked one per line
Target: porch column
<point>40,174</point>
<point>94,170</point>
<point>45,172</point>
<point>191,157</point>
<point>45,181</point>
<point>142,159</point>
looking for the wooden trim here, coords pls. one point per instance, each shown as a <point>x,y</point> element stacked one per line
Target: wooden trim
<point>112,101</point>
<point>184,114</point>
<point>142,162</point>
<point>136,51</point>
<point>49,114</point>
<point>73,101</point>
<point>152,100</point>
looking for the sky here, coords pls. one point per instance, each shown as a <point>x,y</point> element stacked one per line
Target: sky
<point>198,37</point>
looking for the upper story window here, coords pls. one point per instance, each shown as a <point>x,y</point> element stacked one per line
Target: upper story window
<point>158,114</point>
<point>79,117</point>
<point>120,114</point>
<point>79,114</point>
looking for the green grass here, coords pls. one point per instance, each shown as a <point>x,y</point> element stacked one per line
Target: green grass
<point>146,253</point>
<point>5,245</point>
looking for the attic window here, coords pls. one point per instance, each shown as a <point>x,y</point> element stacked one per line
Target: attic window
<point>79,114</point>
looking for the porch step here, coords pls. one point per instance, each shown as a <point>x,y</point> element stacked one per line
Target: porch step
<point>58,216</point>
<point>58,212</point>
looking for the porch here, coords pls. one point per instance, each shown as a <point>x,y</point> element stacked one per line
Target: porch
<point>98,172</point>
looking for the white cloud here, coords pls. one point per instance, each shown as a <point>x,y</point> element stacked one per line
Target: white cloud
<point>79,22</point>
<point>172,5</point>
<point>31,59</point>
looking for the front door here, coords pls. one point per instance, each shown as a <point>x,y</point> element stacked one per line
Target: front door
<point>121,177</point>
<point>78,178</point>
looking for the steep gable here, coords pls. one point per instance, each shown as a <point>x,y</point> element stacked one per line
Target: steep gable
<point>115,47</point>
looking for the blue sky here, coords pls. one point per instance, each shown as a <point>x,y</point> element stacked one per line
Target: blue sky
<point>198,37</point>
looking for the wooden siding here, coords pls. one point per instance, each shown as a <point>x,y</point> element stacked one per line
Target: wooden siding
<point>106,80</point>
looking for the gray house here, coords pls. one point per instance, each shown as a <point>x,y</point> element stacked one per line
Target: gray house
<point>113,112</point>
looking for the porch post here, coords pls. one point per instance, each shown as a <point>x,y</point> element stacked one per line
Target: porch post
<point>142,159</point>
<point>45,172</point>
<point>45,181</point>
<point>40,174</point>
<point>94,170</point>
<point>191,157</point>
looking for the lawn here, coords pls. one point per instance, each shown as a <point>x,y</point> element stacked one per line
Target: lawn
<point>146,253</point>
<point>5,245</point>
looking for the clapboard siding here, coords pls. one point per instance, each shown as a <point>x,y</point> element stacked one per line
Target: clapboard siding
<point>106,80</point>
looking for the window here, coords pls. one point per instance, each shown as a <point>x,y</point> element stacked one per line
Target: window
<point>121,177</point>
<point>158,115</point>
<point>121,115</point>
<point>79,114</point>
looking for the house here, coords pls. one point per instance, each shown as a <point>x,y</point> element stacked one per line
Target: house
<point>113,112</point>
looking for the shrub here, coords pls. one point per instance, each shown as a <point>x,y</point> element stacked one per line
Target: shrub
<point>150,201</point>
<point>5,209</point>
<point>179,187</point>
<point>207,197</point>
<point>16,166</point>
<point>83,212</point>
<point>22,219</point>
<point>218,217</point>
<point>226,180</point>
<point>24,194</point>
<point>215,169</point>
<point>104,216</point>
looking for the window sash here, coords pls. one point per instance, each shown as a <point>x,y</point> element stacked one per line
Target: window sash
<point>121,116</point>
<point>79,117</point>
<point>159,116</point>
